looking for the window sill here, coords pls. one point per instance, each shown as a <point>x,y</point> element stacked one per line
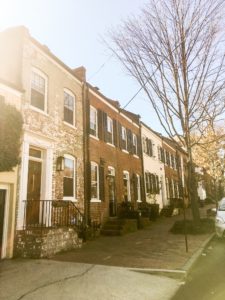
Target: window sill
<point>69,125</point>
<point>95,201</point>
<point>139,201</point>
<point>43,112</point>
<point>134,155</point>
<point>94,137</point>
<point>125,151</point>
<point>111,145</point>
<point>69,199</point>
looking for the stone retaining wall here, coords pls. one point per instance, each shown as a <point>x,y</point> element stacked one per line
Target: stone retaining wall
<point>37,243</point>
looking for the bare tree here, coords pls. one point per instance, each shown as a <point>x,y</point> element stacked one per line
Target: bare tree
<point>174,49</point>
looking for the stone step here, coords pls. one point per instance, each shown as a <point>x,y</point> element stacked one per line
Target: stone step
<point>111,232</point>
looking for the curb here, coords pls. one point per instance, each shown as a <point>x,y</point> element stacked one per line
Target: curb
<point>192,260</point>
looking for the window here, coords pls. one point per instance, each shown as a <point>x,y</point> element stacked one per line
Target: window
<point>109,130</point>
<point>94,181</point>
<point>38,90</point>
<point>124,138</point>
<point>69,178</point>
<point>69,107</point>
<point>134,144</point>
<point>138,188</point>
<point>126,186</point>
<point>93,121</point>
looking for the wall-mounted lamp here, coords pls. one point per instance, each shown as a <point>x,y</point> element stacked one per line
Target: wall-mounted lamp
<point>60,163</point>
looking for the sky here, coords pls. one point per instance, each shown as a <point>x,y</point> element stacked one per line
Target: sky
<point>73,31</point>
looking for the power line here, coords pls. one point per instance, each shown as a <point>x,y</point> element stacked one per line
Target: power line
<point>101,67</point>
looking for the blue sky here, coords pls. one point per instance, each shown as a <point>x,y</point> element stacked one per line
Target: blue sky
<point>72,30</point>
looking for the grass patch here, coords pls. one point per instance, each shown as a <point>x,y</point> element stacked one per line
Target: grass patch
<point>206,226</point>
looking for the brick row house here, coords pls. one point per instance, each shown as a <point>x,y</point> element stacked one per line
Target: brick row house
<point>114,157</point>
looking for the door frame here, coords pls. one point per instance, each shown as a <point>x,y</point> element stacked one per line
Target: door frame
<point>5,187</point>
<point>47,146</point>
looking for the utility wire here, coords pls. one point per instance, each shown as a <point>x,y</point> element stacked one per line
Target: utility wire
<point>101,67</point>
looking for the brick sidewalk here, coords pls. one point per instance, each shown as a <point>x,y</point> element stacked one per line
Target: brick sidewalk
<point>152,247</point>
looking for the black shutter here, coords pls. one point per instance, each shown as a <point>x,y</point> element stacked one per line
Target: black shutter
<point>105,137</point>
<point>115,133</point>
<point>150,147</point>
<point>157,184</point>
<point>129,141</point>
<point>142,187</point>
<point>135,187</point>
<point>120,141</point>
<point>139,152</point>
<point>101,183</point>
<point>147,145</point>
<point>100,124</point>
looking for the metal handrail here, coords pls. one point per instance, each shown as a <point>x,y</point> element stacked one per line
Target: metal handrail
<point>51,214</point>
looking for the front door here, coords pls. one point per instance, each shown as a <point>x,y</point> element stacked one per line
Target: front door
<point>2,213</point>
<point>112,192</point>
<point>33,192</point>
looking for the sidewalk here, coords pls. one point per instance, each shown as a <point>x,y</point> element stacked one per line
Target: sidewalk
<point>150,248</point>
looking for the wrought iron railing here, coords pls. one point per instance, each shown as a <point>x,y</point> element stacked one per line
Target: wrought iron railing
<point>51,214</point>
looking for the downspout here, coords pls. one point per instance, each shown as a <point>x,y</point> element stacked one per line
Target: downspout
<point>86,160</point>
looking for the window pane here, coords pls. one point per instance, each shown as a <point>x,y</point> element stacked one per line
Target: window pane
<point>94,181</point>
<point>35,153</point>
<point>69,168</point>
<point>37,91</point>
<point>93,122</point>
<point>68,187</point>
<point>68,108</point>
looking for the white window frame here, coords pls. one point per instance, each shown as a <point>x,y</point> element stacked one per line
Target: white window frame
<point>138,188</point>
<point>127,174</point>
<point>134,138</point>
<point>67,91</point>
<point>93,109</point>
<point>96,165</point>
<point>124,136</point>
<point>72,198</point>
<point>111,171</point>
<point>110,128</point>
<point>41,74</point>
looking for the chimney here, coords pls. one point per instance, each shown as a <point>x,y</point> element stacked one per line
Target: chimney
<point>80,72</point>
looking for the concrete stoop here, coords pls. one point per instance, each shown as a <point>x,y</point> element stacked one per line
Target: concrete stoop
<point>115,227</point>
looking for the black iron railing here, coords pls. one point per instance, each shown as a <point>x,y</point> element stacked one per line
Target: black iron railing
<point>52,214</point>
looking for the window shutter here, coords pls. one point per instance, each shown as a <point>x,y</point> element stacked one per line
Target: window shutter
<point>115,133</point>
<point>142,187</point>
<point>129,141</point>
<point>157,184</point>
<point>101,183</point>
<point>119,135</point>
<point>105,138</point>
<point>147,145</point>
<point>151,183</point>
<point>100,124</point>
<point>135,187</point>
<point>139,152</point>
<point>150,148</point>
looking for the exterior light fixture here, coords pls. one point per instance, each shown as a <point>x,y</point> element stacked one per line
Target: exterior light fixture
<point>60,163</point>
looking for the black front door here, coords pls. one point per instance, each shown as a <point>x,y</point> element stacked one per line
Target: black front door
<point>2,212</point>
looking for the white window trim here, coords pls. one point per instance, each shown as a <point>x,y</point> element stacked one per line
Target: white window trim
<point>96,199</point>
<point>94,109</point>
<point>124,130</point>
<point>112,169</point>
<point>138,188</point>
<point>135,142</point>
<point>43,75</point>
<point>128,185</point>
<point>111,121</point>
<point>69,92</point>
<point>73,198</point>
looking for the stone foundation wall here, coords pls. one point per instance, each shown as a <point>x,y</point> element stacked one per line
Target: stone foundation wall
<point>39,243</point>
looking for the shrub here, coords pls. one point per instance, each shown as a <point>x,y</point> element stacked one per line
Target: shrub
<point>10,133</point>
<point>206,226</point>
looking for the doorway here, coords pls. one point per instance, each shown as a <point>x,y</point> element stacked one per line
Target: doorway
<point>2,217</point>
<point>34,186</point>
<point>112,191</point>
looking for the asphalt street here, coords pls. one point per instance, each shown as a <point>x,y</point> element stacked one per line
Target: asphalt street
<point>207,278</point>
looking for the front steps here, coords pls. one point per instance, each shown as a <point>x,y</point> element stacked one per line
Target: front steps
<point>116,226</point>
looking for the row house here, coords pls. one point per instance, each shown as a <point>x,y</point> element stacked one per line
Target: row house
<point>175,164</point>
<point>114,157</point>
<point>47,188</point>
<point>154,171</point>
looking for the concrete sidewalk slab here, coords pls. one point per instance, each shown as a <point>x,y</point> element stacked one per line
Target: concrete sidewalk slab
<point>43,279</point>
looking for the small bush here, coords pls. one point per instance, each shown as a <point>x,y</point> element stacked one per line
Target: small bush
<point>206,226</point>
